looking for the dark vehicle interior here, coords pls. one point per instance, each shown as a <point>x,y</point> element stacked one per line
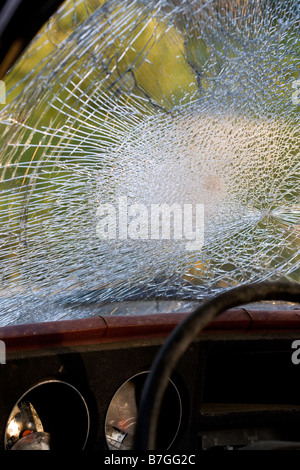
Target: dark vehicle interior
<point>134,343</point>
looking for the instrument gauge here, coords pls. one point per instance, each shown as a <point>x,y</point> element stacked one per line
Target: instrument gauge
<point>121,417</point>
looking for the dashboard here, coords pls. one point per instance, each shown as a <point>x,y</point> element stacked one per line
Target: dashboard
<point>76,384</point>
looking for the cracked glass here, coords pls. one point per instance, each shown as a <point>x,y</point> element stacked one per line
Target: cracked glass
<point>118,109</point>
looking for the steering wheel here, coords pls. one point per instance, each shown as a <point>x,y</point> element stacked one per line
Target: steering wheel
<point>181,337</point>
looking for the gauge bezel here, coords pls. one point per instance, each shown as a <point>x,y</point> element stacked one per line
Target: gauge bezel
<point>41,384</point>
<point>180,408</point>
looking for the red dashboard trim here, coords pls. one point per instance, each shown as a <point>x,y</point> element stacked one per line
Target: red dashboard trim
<point>115,328</point>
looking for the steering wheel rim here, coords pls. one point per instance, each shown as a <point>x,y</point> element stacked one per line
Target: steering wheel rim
<point>183,335</point>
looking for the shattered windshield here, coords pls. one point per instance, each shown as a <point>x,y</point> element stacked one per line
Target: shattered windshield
<point>149,152</point>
